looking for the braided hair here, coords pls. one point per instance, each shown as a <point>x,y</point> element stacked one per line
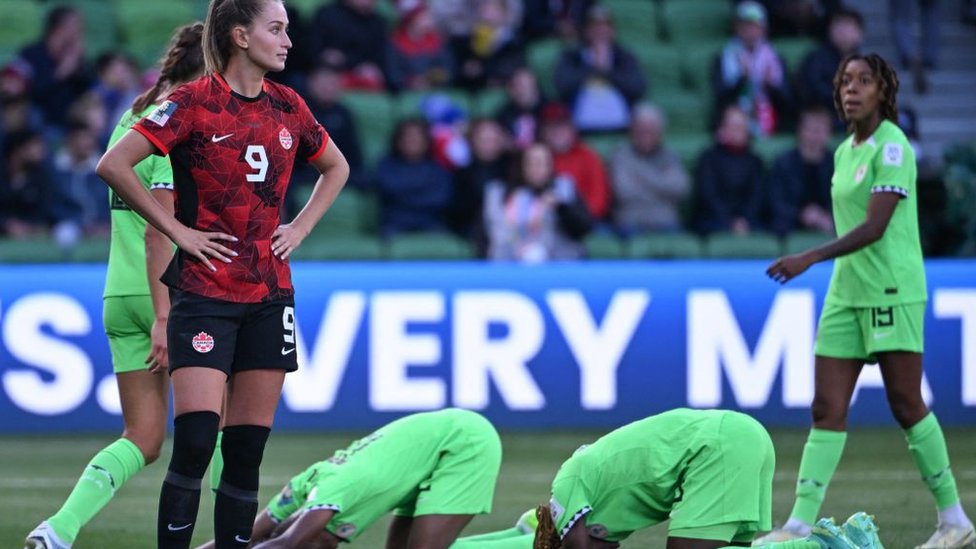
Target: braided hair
<point>887,84</point>
<point>183,62</point>
<point>546,536</point>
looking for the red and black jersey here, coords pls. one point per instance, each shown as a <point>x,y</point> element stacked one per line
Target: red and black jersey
<point>232,158</point>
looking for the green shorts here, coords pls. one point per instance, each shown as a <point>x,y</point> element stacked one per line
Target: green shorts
<point>732,477</point>
<point>862,332</point>
<point>128,323</point>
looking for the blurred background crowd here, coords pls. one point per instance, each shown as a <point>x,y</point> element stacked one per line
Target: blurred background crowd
<point>520,130</point>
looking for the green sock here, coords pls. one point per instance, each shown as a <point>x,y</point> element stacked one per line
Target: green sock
<point>505,539</point>
<point>804,543</point>
<point>216,465</point>
<point>821,454</point>
<point>104,475</point>
<point>928,447</point>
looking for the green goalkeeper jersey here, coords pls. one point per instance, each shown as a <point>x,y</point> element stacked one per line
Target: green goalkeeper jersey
<point>889,271</point>
<point>126,274</point>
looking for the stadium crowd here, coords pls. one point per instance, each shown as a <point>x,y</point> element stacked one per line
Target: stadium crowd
<point>438,105</point>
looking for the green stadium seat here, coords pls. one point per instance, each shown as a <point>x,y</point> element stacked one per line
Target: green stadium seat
<point>307,8</point>
<point>793,50</point>
<point>407,104</point>
<point>694,21</point>
<point>605,246</point>
<point>697,63</point>
<point>688,113</point>
<point>374,116</point>
<point>146,27</point>
<point>689,146</point>
<point>20,24</point>
<point>662,65</point>
<point>347,215</point>
<point>333,248</point>
<point>634,20</point>
<point>679,245</point>
<point>543,56</point>
<point>429,246</point>
<point>605,144</point>
<point>804,240</point>
<point>32,250</point>
<point>488,102</point>
<point>752,245</point>
<point>768,148</point>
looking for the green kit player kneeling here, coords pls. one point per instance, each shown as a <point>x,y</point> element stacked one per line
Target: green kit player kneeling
<point>708,472</point>
<point>434,470</point>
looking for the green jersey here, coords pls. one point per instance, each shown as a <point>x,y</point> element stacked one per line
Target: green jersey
<point>443,462</point>
<point>890,271</point>
<point>696,467</point>
<point>127,256</point>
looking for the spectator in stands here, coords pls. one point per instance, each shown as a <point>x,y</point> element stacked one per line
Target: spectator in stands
<point>799,183</point>
<point>116,85</point>
<point>85,207</point>
<point>845,34</point>
<point>448,125</point>
<point>419,56</point>
<point>520,114</point>
<point>17,113</point>
<point>649,180</point>
<point>324,86</point>
<point>554,18</point>
<point>535,215</point>
<point>89,110</point>
<point>489,161</point>
<point>414,191</point>
<point>350,36</point>
<point>729,178</point>
<point>26,189</point>
<point>902,16</point>
<point>458,18</point>
<point>600,78</point>
<point>57,64</point>
<point>493,50</point>
<point>575,160</point>
<point>750,74</point>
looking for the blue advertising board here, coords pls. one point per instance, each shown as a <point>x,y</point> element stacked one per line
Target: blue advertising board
<point>569,345</point>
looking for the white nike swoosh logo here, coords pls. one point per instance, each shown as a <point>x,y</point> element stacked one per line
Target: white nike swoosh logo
<point>285,351</point>
<point>882,335</point>
<point>172,528</point>
<point>239,539</point>
<point>216,139</point>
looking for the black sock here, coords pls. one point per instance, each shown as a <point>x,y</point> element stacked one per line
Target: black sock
<point>237,495</point>
<point>194,437</point>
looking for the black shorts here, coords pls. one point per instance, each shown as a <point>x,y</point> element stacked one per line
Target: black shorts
<point>228,336</point>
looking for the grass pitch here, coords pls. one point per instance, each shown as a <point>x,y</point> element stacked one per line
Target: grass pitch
<point>876,475</point>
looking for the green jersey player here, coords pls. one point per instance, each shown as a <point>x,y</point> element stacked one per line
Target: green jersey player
<point>875,306</point>
<point>708,472</point>
<point>135,309</point>
<point>434,470</point>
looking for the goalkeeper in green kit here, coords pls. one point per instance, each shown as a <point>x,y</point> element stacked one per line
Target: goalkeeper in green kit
<point>434,470</point>
<point>875,306</point>
<point>708,472</point>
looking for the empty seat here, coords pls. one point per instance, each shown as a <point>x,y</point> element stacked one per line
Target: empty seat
<point>20,24</point>
<point>802,241</point>
<point>605,246</point>
<point>146,27</point>
<point>634,20</point>
<point>679,245</point>
<point>374,116</point>
<point>348,247</point>
<point>543,56</point>
<point>430,246</point>
<point>752,245</point>
<point>695,21</point>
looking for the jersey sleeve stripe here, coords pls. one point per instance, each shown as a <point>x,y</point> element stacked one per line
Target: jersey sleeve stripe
<point>326,506</point>
<point>576,517</point>
<point>890,189</point>
<point>152,139</point>
<point>161,186</point>
<point>318,153</point>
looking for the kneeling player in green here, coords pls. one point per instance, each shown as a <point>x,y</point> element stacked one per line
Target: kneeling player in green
<point>434,470</point>
<point>709,472</point>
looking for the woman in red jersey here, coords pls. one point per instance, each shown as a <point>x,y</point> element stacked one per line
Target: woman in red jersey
<point>232,138</point>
